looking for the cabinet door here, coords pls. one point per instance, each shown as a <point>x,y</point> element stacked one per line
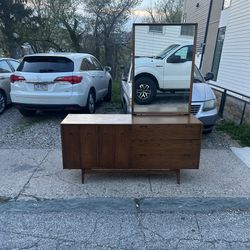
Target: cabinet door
<point>114,145</point>
<point>70,146</point>
<point>122,147</point>
<point>89,146</point>
<point>106,147</point>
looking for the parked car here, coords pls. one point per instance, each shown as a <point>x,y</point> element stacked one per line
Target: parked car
<point>7,66</point>
<point>203,99</point>
<point>69,81</point>
<point>169,70</point>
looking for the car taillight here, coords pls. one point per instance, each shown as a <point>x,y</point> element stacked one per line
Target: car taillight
<point>15,78</point>
<point>71,79</point>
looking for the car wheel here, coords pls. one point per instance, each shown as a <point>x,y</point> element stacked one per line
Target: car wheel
<point>3,101</point>
<point>91,103</point>
<point>27,112</point>
<point>145,90</point>
<point>108,97</point>
<point>208,131</point>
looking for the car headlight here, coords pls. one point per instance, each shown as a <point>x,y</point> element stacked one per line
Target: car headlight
<point>209,105</point>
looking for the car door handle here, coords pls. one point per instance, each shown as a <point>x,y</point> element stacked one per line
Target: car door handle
<point>159,66</point>
<point>3,78</point>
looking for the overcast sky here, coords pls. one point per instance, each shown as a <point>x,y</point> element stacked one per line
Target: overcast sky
<point>139,13</point>
<point>146,3</point>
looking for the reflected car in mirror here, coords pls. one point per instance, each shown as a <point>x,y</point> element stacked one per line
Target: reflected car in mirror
<point>203,100</point>
<point>169,70</point>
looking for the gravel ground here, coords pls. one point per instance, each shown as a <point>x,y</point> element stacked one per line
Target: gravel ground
<point>43,130</point>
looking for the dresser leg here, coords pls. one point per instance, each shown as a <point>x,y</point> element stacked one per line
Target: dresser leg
<point>82,176</point>
<point>178,176</point>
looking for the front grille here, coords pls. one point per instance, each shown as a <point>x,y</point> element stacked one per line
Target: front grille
<point>195,109</point>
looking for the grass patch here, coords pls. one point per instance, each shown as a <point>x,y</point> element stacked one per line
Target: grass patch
<point>240,133</point>
<point>116,91</point>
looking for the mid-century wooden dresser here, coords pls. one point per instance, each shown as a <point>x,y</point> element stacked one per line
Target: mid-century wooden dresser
<point>125,143</point>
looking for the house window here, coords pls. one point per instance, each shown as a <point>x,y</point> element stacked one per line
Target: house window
<point>218,51</point>
<point>187,30</point>
<point>226,4</point>
<point>156,28</point>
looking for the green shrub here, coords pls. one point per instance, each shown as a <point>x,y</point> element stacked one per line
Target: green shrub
<point>240,133</point>
<point>116,92</point>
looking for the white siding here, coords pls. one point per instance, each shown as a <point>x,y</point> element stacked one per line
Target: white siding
<point>152,43</point>
<point>198,15</point>
<point>234,70</point>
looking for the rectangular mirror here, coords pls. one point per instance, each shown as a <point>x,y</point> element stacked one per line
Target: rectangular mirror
<point>163,63</point>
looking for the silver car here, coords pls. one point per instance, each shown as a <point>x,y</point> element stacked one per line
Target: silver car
<point>203,99</point>
<point>7,66</point>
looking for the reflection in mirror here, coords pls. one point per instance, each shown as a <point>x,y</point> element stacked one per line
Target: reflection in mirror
<point>163,59</point>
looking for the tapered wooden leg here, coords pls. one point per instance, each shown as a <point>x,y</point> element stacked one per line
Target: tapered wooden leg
<point>178,176</point>
<point>82,176</point>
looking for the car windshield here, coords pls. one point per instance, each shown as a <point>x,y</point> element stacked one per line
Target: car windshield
<point>46,64</point>
<point>197,76</point>
<point>165,52</point>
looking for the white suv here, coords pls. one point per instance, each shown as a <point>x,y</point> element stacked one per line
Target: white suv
<point>54,81</point>
<point>170,70</point>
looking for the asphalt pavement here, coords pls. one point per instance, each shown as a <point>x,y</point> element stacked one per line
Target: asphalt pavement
<point>43,206</point>
<point>106,223</point>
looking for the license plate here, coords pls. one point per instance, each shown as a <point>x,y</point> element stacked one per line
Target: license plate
<point>41,87</point>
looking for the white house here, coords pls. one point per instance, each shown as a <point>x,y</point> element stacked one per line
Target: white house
<point>234,64</point>
<point>223,40</point>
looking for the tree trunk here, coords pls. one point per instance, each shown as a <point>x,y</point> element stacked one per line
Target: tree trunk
<point>108,52</point>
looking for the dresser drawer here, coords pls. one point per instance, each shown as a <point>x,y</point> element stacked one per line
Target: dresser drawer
<point>166,132</point>
<point>166,154</point>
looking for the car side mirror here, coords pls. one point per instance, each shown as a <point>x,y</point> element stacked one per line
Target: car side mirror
<point>107,68</point>
<point>209,76</point>
<point>174,59</point>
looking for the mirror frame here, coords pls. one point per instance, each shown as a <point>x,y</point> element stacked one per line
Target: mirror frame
<point>191,77</point>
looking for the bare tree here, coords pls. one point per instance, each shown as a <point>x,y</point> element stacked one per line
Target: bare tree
<point>169,11</point>
<point>68,14</point>
<point>12,13</point>
<point>109,17</point>
<point>41,31</point>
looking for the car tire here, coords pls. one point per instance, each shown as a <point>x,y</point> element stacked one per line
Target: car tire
<point>108,97</point>
<point>3,101</point>
<point>90,108</point>
<point>27,112</point>
<point>208,131</point>
<point>145,90</point>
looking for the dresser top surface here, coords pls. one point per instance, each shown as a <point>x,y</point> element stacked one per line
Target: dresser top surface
<point>127,119</point>
<point>98,119</point>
